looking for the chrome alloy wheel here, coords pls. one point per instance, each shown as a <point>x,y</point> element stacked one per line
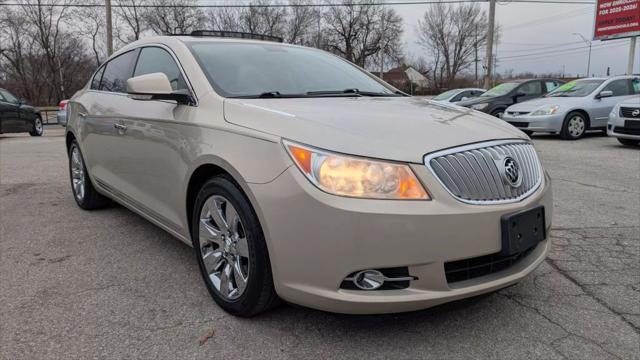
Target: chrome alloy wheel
<point>576,126</point>
<point>223,247</point>
<point>77,174</point>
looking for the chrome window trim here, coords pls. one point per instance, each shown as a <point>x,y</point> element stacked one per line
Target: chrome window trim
<point>140,48</point>
<point>428,157</point>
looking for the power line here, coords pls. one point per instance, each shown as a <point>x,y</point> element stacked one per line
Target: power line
<point>373,3</point>
<point>561,52</point>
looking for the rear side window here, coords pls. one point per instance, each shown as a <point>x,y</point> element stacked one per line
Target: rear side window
<point>551,85</point>
<point>117,71</point>
<point>531,88</point>
<point>158,60</point>
<point>618,87</point>
<point>95,83</point>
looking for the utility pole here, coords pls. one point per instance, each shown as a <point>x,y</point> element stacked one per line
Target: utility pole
<point>588,42</point>
<point>109,28</point>
<point>476,59</point>
<point>632,54</point>
<point>489,53</point>
<point>382,46</point>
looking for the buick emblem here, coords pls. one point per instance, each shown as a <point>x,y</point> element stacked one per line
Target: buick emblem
<point>510,171</point>
<point>635,113</point>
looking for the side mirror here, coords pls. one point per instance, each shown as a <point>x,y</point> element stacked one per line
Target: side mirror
<point>604,94</point>
<point>156,86</point>
<point>518,95</point>
<point>22,101</point>
<point>464,98</point>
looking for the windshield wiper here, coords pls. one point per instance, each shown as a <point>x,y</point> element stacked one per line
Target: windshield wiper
<point>348,92</point>
<point>269,95</point>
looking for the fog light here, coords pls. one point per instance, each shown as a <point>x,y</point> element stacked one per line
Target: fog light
<point>369,279</point>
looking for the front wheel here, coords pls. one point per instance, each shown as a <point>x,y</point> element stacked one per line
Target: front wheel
<point>38,128</point>
<point>231,249</point>
<point>498,113</point>
<point>574,126</point>
<point>629,142</point>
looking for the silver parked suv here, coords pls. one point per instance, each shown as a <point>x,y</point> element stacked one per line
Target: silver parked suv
<point>296,175</point>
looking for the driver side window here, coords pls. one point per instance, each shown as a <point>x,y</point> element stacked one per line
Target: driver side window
<point>531,88</point>
<point>158,60</point>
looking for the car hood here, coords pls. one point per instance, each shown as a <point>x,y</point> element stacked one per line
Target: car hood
<point>535,104</point>
<point>477,100</point>
<point>402,128</point>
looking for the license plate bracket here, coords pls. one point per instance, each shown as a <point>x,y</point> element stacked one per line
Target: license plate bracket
<point>522,230</point>
<point>632,124</point>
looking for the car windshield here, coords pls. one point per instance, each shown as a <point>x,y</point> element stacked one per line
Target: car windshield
<point>251,70</point>
<point>501,89</point>
<point>577,88</point>
<point>445,95</point>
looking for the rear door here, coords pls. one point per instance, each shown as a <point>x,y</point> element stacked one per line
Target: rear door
<point>621,89</point>
<point>99,110</point>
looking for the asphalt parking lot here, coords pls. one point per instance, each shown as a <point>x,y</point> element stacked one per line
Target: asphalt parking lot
<point>109,284</point>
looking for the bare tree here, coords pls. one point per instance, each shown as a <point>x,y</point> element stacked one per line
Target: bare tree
<point>300,22</point>
<point>129,16</point>
<point>173,16</point>
<point>47,18</point>
<point>39,58</point>
<point>90,24</point>
<point>355,30</point>
<point>450,32</point>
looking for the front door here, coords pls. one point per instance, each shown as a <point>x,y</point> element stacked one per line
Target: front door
<point>10,120</point>
<point>153,141</point>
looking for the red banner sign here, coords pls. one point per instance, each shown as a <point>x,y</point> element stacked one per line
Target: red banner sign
<point>617,19</point>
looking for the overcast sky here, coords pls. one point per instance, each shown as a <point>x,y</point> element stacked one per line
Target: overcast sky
<point>533,29</point>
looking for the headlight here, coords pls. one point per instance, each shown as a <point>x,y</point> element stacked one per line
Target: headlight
<point>479,106</point>
<point>356,177</point>
<point>614,111</point>
<point>545,111</point>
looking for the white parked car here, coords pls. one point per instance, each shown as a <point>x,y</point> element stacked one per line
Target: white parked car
<point>457,95</point>
<point>295,174</point>
<point>624,121</point>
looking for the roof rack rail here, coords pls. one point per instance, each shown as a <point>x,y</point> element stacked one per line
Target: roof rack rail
<point>232,34</point>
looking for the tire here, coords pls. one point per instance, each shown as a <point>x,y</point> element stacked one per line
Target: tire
<point>83,191</point>
<point>574,127</point>
<point>497,113</point>
<point>629,142</point>
<point>38,128</point>
<point>233,259</point>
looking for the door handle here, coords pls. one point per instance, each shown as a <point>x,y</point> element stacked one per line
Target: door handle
<point>81,114</point>
<point>120,127</point>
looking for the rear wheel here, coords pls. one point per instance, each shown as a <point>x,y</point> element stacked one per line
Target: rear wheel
<point>231,249</point>
<point>38,128</point>
<point>84,193</point>
<point>629,142</point>
<point>574,126</point>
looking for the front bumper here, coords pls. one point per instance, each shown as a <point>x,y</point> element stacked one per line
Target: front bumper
<point>547,123</point>
<point>616,128</point>
<point>315,240</point>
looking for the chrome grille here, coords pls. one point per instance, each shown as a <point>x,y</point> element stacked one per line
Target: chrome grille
<point>472,173</point>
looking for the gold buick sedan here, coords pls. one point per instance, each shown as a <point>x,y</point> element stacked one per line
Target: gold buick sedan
<point>298,176</point>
